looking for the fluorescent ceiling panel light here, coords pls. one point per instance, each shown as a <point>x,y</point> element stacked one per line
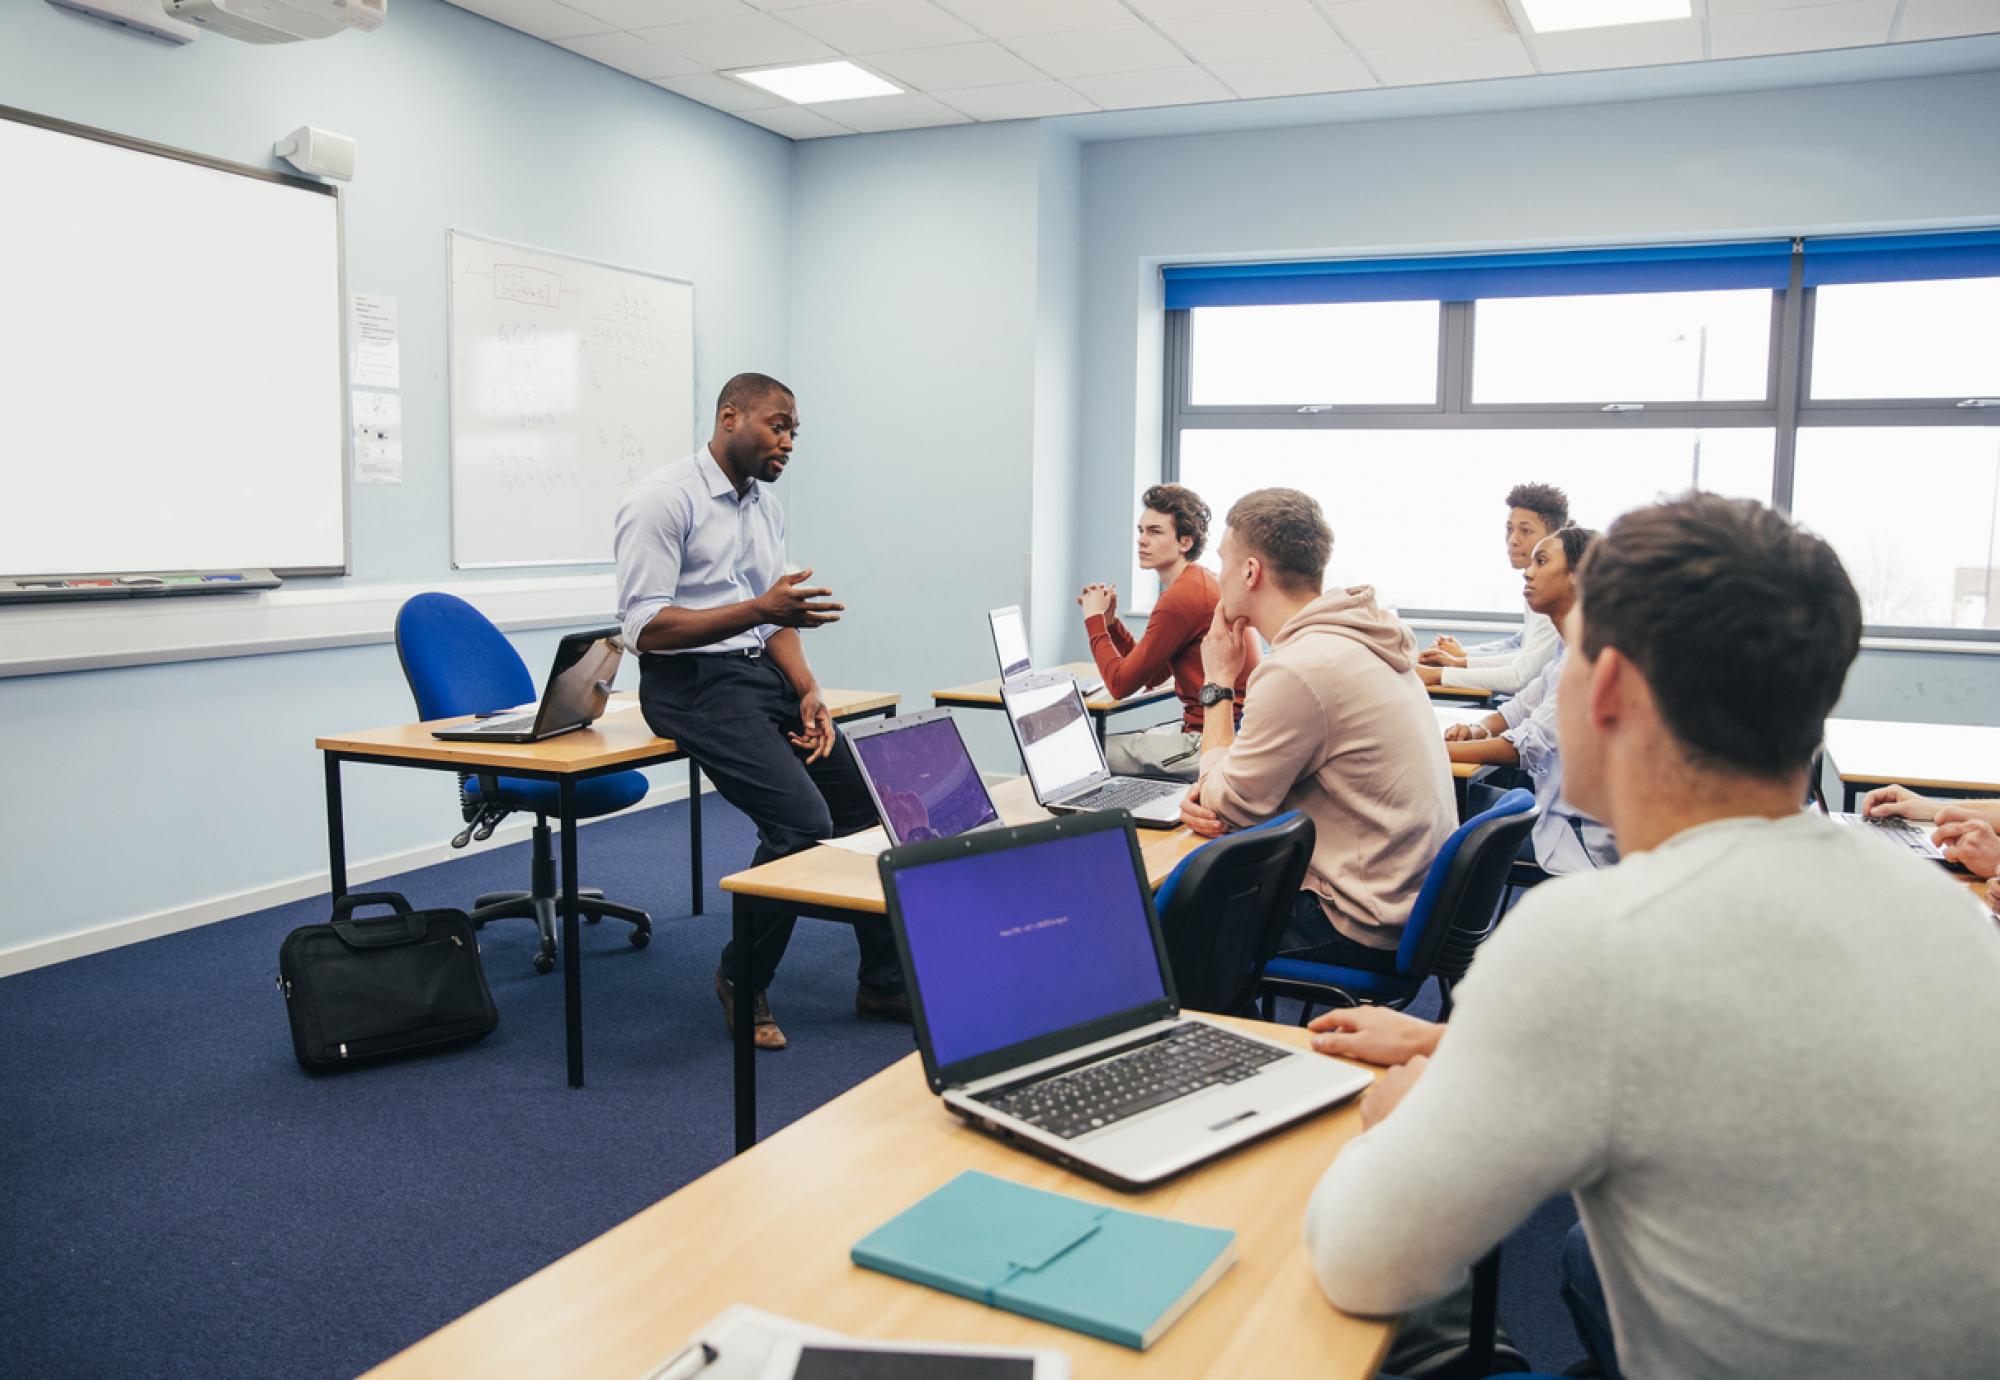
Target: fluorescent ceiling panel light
<point>1553,16</point>
<point>813,83</point>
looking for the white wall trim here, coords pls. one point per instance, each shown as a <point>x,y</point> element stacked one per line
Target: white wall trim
<point>85,636</point>
<point>118,933</point>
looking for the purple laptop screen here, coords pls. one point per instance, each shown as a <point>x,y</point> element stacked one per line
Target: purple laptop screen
<point>926,781</point>
<point>1011,945</point>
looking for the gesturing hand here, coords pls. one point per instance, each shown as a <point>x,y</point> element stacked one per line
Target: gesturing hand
<point>817,739</point>
<point>791,604</point>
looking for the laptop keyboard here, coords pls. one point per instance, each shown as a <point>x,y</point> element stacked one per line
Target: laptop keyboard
<point>1124,793</point>
<point>1915,837</point>
<point>521,723</point>
<point>1194,1056</point>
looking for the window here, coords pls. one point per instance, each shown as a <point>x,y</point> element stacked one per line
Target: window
<point>1853,382</point>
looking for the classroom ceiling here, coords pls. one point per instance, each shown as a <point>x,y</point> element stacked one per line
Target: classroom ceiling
<point>963,61</point>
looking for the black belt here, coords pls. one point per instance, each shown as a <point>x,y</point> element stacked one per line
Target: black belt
<point>747,653</point>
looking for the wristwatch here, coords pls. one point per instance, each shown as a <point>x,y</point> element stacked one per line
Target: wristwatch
<point>1215,694</point>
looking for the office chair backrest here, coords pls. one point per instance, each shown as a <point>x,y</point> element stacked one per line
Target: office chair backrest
<point>1461,893</point>
<point>1223,910</point>
<point>456,661</point>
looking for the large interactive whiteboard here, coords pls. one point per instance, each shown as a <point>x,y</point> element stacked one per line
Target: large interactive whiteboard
<point>570,381</point>
<point>171,370</point>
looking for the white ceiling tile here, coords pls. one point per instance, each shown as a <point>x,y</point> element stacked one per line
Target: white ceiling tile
<point>1157,10</point>
<point>724,93</point>
<point>794,122</point>
<point>873,26</point>
<point>1624,45</point>
<point>953,68</point>
<point>1370,24</point>
<point>1132,90</point>
<point>1948,18</point>
<point>787,4</point>
<point>749,40</point>
<point>1801,30</point>
<point>1095,52</point>
<point>630,53</point>
<point>1254,37</point>
<point>1029,100</point>
<point>542,18</point>
<point>874,114</point>
<point>1716,7</point>
<point>1294,76</point>
<point>1010,18</point>
<point>648,14</point>
<point>1419,64</point>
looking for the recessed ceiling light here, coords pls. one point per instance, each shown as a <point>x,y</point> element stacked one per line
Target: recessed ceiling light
<point>1553,16</point>
<point>812,83</point>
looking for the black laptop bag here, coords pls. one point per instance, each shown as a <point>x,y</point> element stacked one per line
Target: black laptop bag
<point>362,990</point>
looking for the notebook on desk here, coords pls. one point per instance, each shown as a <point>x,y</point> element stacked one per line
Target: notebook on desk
<point>578,688</point>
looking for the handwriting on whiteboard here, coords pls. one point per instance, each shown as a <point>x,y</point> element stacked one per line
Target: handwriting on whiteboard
<point>522,283</point>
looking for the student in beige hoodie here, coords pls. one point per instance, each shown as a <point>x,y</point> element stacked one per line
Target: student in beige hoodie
<point>1337,725</point>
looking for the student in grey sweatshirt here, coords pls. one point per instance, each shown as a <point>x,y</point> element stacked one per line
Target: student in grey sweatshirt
<point>1760,1052</point>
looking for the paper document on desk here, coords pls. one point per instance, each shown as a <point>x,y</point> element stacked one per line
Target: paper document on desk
<point>742,1337</point>
<point>868,843</point>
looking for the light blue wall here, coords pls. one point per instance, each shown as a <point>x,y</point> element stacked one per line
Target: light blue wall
<point>1915,152</point>
<point>136,791</point>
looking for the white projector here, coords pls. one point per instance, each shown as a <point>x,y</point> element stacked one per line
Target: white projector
<point>279,21</point>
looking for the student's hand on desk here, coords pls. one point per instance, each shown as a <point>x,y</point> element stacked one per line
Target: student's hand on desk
<point>1222,649</point>
<point>1886,801</point>
<point>1435,657</point>
<point>1389,1089</point>
<point>1969,841</point>
<point>1430,675</point>
<point>1375,1035</point>
<point>1200,819</point>
<point>791,604</point>
<point>1099,601</point>
<point>817,739</point>
<point>1466,733</point>
<point>1447,645</point>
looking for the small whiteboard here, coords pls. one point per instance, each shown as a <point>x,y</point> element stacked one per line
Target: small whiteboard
<point>570,382</point>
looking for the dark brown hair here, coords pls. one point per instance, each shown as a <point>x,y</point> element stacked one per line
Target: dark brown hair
<point>1287,529</point>
<point>1545,501</point>
<point>1185,507</point>
<point>1743,625</point>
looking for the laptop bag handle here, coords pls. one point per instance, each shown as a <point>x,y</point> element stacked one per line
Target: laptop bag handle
<point>383,931</point>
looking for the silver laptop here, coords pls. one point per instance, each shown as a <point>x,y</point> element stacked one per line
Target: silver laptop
<point>1045,1010</point>
<point>1010,645</point>
<point>578,687</point>
<point>1066,762</point>
<point>1826,787</point>
<point>921,778</point>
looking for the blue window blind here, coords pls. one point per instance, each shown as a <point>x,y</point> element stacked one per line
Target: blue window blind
<point>1461,278</point>
<point>1902,258</point>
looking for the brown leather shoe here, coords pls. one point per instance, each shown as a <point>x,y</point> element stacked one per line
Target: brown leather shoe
<point>882,1006</point>
<point>764,1032</point>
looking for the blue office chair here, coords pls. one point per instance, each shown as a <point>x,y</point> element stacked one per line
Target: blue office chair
<point>1223,909</point>
<point>1455,910</point>
<point>457,662</point>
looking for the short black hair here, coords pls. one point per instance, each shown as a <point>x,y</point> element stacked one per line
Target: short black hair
<point>1576,544</point>
<point>1184,506</point>
<point>1545,501</point>
<point>1743,624</point>
<point>745,391</point>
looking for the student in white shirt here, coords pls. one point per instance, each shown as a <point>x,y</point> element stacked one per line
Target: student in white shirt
<point>1507,664</point>
<point>1760,1051</point>
<point>1522,732</point>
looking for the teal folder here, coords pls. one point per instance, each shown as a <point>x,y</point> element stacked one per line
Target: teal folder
<point>1119,1275</point>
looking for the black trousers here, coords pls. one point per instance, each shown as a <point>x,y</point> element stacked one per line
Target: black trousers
<point>1311,936</point>
<point>731,713</point>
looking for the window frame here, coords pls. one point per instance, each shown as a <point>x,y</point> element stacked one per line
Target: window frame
<point>1785,409</point>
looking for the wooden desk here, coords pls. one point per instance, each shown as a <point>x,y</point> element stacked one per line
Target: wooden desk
<point>985,694</point>
<point>1952,759</point>
<point>618,741</point>
<point>1459,692</point>
<point>772,1228</point>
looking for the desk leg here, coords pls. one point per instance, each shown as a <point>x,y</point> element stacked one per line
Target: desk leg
<point>1485,1314</point>
<point>746,1049</point>
<point>1458,789</point>
<point>572,943</point>
<point>336,830</point>
<point>1100,717</point>
<point>694,831</point>
<point>1848,796</point>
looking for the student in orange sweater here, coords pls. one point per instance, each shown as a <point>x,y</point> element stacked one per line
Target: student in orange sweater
<point>1173,528</point>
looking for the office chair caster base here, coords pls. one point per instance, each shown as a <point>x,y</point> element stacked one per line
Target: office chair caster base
<point>545,964</point>
<point>641,938</point>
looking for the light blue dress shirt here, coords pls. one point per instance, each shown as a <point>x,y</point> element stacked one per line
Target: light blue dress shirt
<point>683,538</point>
<point>1566,839</point>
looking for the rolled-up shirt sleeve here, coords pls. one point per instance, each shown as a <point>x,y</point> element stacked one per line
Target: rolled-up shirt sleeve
<point>1531,720</point>
<point>647,542</point>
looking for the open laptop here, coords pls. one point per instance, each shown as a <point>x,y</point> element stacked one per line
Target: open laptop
<point>1826,788</point>
<point>1045,1010</point>
<point>1066,762</point>
<point>1010,645</point>
<point>921,778</point>
<point>578,687</point>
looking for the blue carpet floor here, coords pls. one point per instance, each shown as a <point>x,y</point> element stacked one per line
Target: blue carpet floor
<point>177,1198</point>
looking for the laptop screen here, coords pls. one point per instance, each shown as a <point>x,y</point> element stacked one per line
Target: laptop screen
<point>1057,741</point>
<point>925,781</point>
<point>1012,944</point>
<point>1010,641</point>
<point>580,679</point>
